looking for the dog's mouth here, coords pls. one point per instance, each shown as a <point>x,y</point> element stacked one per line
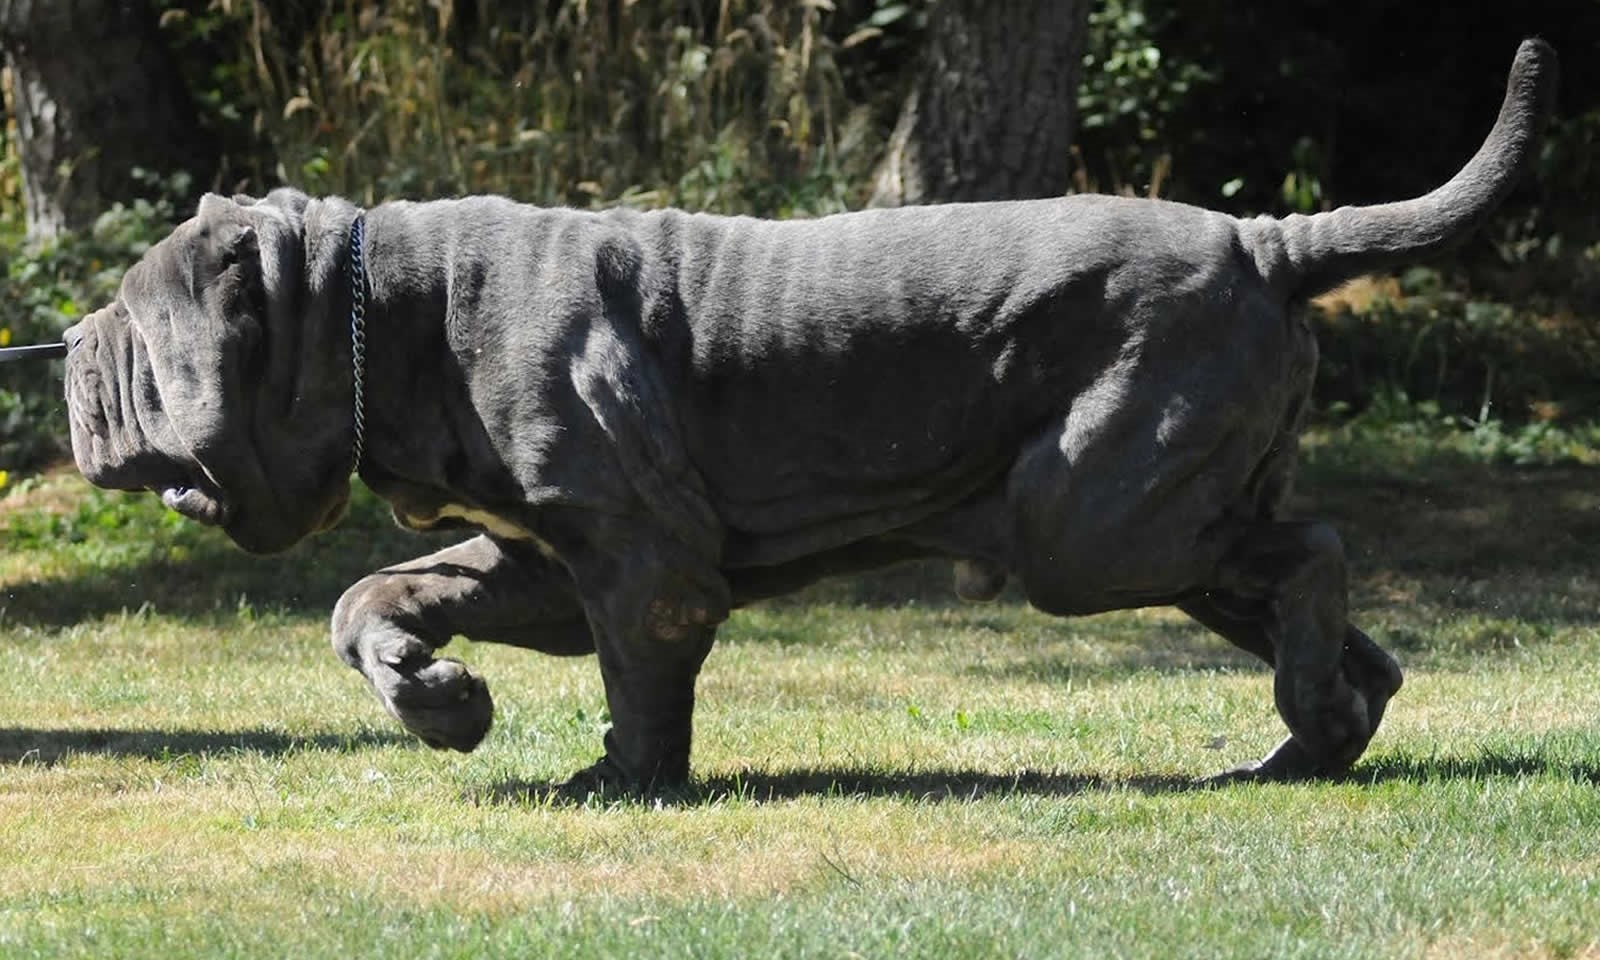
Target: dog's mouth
<point>196,504</point>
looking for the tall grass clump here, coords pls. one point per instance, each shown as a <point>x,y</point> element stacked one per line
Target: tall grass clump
<point>735,106</point>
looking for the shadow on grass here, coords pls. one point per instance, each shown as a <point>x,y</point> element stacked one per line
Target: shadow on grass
<point>758,786</point>
<point>925,584</point>
<point>962,786</point>
<point>23,746</point>
<point>1489,765</point>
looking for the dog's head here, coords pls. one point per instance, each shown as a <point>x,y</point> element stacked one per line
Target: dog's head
<point>218,377</point>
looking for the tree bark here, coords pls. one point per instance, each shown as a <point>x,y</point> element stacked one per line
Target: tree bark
<point>96,95</point>
<point>994,108</point>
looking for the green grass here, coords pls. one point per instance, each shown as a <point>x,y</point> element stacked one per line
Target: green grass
<point>186,769</point>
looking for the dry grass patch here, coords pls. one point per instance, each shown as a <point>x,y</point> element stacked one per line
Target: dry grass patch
<point>1492,946</point>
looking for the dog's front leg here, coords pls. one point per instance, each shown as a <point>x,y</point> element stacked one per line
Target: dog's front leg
<point>654,608</point>
<point>650,694</point>
<point>389,624</point>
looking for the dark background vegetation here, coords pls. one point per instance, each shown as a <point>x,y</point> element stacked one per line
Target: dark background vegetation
<point>785,108</point>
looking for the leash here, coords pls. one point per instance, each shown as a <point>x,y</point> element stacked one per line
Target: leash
<point>37,351</point>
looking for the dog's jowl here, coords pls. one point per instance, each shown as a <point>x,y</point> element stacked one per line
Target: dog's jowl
<point>652,418</point>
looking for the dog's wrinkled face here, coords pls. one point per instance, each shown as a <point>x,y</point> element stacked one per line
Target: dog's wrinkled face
<point>193,382</point>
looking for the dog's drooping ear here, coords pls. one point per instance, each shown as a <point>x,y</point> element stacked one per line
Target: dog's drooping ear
<point>227,233</point>
<point>227,240</point>
<point>215,208</point>
<point>263,235</point>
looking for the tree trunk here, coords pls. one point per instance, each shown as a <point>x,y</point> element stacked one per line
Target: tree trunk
<point>96,95</point>
<point>994,108</point>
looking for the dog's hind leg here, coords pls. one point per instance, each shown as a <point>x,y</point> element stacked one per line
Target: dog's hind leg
<point>1244,623</point>
<point>1281,597</point>
<point>388,625</point>
<point>1152,498</point>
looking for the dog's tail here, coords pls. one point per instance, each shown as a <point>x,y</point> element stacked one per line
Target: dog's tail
<point>1326,249</point>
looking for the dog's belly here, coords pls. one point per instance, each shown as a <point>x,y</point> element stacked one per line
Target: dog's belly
<point>784,489</point>
<point>782,530</point>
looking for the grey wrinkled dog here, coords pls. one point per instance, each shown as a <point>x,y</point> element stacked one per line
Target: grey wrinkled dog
<point>656,417</point>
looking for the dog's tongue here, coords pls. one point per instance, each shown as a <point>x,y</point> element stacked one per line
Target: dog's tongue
<point>195,504</point>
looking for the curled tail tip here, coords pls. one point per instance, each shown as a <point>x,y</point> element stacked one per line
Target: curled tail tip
<point>1328,248</point>
<point>1535,53</point>
<point>1534,71</point>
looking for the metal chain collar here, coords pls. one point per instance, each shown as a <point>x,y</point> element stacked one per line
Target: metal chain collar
<point>358,330</point>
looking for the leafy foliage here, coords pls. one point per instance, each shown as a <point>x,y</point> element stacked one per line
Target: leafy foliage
<point>1129,90</point>
<point>1394,429</point>
<point>107,525</point>
<point>1471,357</point>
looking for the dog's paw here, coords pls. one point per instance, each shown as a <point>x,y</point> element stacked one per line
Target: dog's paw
<point>1288,761</point>
<point>603,779</point>
<point>439,699</point>
<point>1328,718</point>
<point>1372,672</point>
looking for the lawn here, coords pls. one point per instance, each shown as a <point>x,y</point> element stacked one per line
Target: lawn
<point>187,770</point>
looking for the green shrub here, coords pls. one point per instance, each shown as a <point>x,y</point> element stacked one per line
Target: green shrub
<point>1394,432</point>
<point>1128,92</point>
<point>1481,359</point>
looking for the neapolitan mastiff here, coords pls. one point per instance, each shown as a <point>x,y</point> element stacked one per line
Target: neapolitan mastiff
<point>656,417</point>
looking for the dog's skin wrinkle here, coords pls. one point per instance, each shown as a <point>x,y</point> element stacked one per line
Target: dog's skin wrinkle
<point>661,415</point>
